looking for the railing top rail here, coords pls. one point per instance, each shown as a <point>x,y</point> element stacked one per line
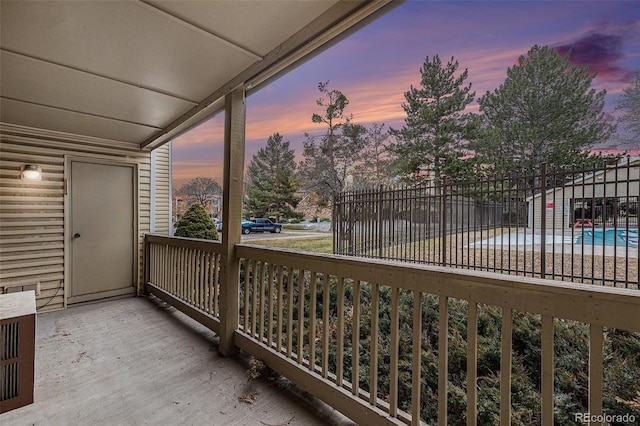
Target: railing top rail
<point>192,243</point>
<point>597,305</point>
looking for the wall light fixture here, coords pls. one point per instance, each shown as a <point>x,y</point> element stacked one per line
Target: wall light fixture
<point>31,172</point>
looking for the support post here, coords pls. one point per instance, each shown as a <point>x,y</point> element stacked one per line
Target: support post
<point>234,147</point>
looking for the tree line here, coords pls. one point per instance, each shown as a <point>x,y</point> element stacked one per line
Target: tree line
<point>545,111</point>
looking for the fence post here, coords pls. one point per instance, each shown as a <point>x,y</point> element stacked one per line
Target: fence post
<point>543,220</point>
<point>443,221</point>
<point>380,226</point>
<point>334,220</point>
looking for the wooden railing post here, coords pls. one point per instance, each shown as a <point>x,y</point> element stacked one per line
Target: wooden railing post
<point>234,132</point>
<point>146,275</point>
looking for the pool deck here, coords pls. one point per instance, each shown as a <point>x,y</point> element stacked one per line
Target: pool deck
<point>559,242</point>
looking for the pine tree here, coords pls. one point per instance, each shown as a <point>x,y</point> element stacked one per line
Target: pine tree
<point>271,185</point>
<point>545,111</point>
<point>629,120</point>
<point>196,223</point>
<point>435,130</point>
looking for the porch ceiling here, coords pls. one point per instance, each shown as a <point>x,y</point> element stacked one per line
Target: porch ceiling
<point>144,71</point>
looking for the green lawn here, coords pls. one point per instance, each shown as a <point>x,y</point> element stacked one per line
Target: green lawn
<point>320,244</point>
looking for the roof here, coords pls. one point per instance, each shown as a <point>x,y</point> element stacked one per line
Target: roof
<point>141,72</point>
<point>625,161</point>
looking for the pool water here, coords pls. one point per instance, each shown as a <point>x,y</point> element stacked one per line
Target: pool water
<point>609,237</point>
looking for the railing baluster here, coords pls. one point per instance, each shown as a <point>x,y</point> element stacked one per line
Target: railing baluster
<point>170,276</point>
<point>443,358</point>
<point>355,337</point>
<point>325,326</point>
<point>547,370</point>
<point>184,275</point>
<point>206,287</point>
<point>416,379</point>
<point>290,291</point>
<point>505,367</point>
<point>177,284</point>
<point>312,320</point>
<point>195,272</point>
<point>202,285</point>
<point>186,291</point>
<point>164,269</point>
<point>205,292</point>
<point>215,264</point>
<point>193,288</point>
<point>280,308</point>
<point>247,275</point>
<point>472,364</point>
<point>154,275</point>
<point>373,347</point>
<point>254,299</point>
<point>595,370</point>
<point>262,276</point>
<point>393,353</point>
<point>301,295</point>
<point>340,333</point>
<point>270,305</point>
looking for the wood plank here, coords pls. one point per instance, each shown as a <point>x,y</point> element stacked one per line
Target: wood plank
<point>505,367</point>
<point>547,370</point>
<point>232,183</point>
<point>373,351</point>
<point>355,340</point>
<point>393,353</point>
<point>443,359</point>
<point>340,334</point>
<point>596,340</point>
<point>472,364</point>
<point>416,363</point>
<point>325,326</point>
<point>313,289</point>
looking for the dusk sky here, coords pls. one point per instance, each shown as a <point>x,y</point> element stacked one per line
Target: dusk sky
<point>375,66</point>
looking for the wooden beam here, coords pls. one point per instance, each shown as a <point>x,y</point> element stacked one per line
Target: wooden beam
<point>234,143</point>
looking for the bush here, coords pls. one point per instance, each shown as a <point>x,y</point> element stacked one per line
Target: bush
<point>196,223</point>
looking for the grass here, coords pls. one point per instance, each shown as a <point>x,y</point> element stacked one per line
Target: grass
<point>320,244</point>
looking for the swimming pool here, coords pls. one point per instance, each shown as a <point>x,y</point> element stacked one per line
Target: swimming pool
<point>609,237</point>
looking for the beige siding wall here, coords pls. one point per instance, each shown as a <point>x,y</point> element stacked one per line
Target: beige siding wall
<point>32,214</point>
<point>612,183</point>
<point>162,190</point>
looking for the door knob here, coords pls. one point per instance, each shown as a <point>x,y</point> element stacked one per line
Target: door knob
<point>76,235</point>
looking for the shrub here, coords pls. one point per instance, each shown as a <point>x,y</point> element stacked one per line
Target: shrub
<point>196,223</point>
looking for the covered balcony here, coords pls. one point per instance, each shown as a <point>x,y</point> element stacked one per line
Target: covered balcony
<point>91,94</point>
<point>136,361</point>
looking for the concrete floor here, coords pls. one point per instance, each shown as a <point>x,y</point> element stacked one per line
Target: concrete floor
<point>137,361</point>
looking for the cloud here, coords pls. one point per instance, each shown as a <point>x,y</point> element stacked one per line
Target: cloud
<point>602,53</point>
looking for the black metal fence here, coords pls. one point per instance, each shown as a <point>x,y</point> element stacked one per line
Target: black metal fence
<point>577,225</point>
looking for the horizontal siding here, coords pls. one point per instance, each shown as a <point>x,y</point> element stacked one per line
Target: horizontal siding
<point>162,199</point>
<point>32,216</point>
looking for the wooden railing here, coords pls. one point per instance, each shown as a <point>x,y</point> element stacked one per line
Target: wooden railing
<point>185,273</point>
<point>356,333</point>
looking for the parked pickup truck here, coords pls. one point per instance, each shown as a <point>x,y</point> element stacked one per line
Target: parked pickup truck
<point>260,225</point>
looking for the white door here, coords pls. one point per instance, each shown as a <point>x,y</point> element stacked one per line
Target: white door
<point>103,230</point>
